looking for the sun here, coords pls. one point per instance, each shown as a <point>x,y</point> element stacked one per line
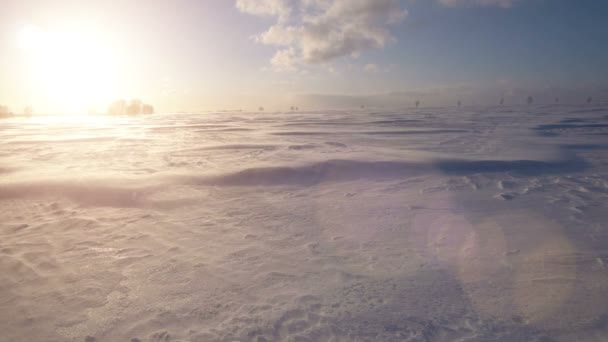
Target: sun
<point>71,70</point>
<point>30,37</point>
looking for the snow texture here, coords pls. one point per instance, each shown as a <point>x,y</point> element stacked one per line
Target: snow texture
<point>430,224</point>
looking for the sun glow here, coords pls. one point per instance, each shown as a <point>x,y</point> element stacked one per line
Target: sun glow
<point>70,70</point>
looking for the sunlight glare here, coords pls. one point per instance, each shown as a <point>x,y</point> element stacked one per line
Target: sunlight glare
<point>72,70</point>
<point>30,37</point>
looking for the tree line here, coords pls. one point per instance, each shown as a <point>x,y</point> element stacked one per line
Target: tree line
<point>133,107</point>
<point>530,100</point>
<point>5,111</point>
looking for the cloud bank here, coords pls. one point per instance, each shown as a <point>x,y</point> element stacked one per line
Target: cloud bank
<point>318,31</point>
<point>478,94</point>
<point>499,3</point>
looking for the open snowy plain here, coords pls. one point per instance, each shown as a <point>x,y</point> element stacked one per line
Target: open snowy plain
<point>438,224</point>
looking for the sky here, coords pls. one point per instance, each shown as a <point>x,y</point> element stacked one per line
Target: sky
<point>199,55</point>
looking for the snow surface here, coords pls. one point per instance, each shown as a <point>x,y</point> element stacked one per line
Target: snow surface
<point>441,224</point>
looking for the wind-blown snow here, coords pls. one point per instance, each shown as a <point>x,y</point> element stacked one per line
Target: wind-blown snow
<point>439,224</point>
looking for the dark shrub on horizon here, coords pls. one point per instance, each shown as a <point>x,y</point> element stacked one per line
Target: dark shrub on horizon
<point>530,100</point>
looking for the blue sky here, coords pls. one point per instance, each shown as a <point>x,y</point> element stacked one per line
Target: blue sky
<point>204,55</point>
<point>551,40</point>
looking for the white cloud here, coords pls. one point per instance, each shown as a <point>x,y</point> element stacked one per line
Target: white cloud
<point>318,31</point>
<point>285,60</point>
<point>371,67</point>
<point>498,3</point>
<point>273,8</point>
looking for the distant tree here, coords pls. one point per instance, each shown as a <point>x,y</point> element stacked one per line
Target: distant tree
<point>122,106</point>
<point>297,108</point>
<point>362,107</point>
<point>147,109</point>
<point>459,103</point>
<point>292,108</point>
<point>589,99</point>
<point>417,103</point>
<point>557,100</point>
<point>4,112</point>
<point>530,100</point>
<point>502,101</point>
<point>117,107</point>
<point>135,107</point>
<point>261,109</point>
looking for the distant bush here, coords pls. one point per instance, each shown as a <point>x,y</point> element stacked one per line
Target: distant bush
<point>135,107</point>
<point>5,112</point>
<point>148,109</point>
<point>118,107</point>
